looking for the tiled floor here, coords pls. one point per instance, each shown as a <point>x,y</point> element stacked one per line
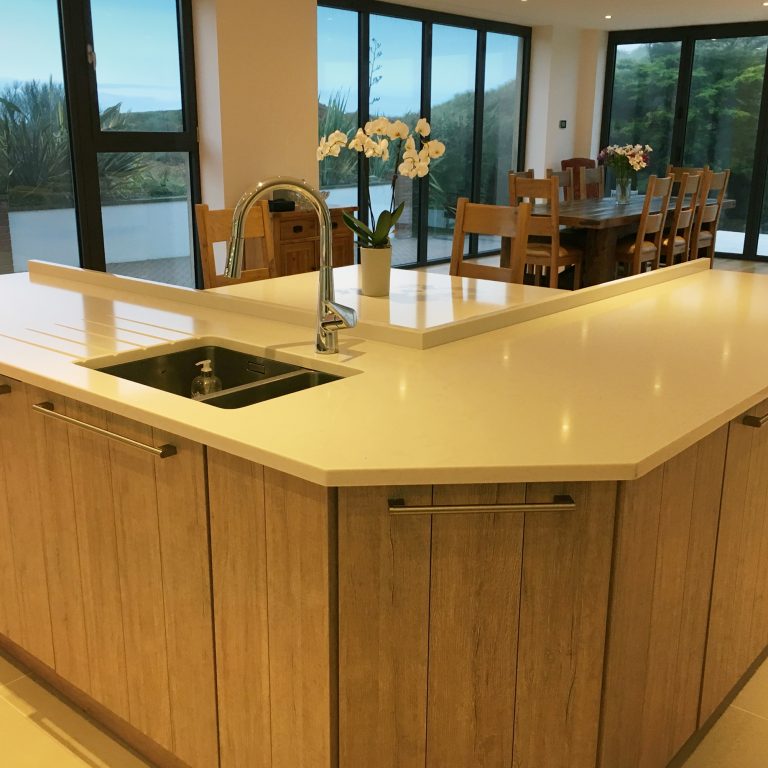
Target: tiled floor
<point>37,730</point>
<point>739,739</point>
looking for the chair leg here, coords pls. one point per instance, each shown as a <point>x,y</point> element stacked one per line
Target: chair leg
<point>553,274</point>
<point>577,275</point>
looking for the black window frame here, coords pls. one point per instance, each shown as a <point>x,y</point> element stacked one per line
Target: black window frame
<point>688,37</point>
<point>87,139</point>
<point>428,18</point>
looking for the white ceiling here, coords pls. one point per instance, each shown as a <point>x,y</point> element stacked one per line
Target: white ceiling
<point>590,14</point>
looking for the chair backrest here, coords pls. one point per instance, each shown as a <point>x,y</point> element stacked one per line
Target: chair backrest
<point>216,226</point>
<point>544,191</point>
<point>710,203</point>
<point>682,216</point>
<point>654,214</point>
<point>577,164</point>
<point>481,219</point>
<point>518,175</point>
<point>677,171</point>
<point>591,183</point>
<point>564,183</point>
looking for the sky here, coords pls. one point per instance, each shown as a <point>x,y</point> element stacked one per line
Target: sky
<point>453,55</point>
<point>135,42</point>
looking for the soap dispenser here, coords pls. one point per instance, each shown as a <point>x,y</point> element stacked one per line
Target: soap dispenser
<point>207,382</point>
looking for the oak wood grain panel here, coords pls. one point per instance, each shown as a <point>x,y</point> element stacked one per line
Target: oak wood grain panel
<point>99,570</point>
<point>301,544</point>
<point>239,561</point>
<point>384,576</point>
<point>473,629</point>
<point>18,465</point>
<point>637,533</point>
<point>183,524</point>
<point>666,533</point>
<point>707,489</point>
<point>62,556</point>
<point>141,581</point>
<point>10,616</point>
<point>741,575</point>
<point>564,600</point>
<point>687,526</point>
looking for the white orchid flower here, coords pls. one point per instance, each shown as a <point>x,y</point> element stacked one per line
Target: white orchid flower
<point>398,130</point>
<point>323,148</point>
<point>407,168</point>
<point>436,148</point>
<point>358,141</point>
<point>337,137</point>
<point>410,144</point>
<point>422,168</point>
<point>422,127</point>
<point>377,127</point>
<point>424,155</point>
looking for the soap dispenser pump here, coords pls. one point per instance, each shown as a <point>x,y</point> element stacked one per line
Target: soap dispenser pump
<point>207,382</point>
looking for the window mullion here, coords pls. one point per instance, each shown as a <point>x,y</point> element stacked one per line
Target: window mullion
<point>83,117</point>
<point>682,97</point>
<point>422,241</point>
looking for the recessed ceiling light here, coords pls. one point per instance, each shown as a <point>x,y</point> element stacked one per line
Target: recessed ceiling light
<point>608,16</point>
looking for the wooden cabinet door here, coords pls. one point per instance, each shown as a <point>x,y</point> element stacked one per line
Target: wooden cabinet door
<point>274,560</point>
<point>127,538</point>
<point>299,257</point>
<point>738,627</point>
<point>343,250</point>
<point>24,611</point>
<point>471,639</point>
<point>666,529</point>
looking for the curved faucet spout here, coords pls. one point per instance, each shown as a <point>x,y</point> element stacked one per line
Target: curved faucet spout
<point>331,316</point>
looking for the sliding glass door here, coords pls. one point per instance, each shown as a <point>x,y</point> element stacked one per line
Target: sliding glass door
<point>467,76</point>
<point>37,199</point>
<point>699,97</point>
<point>98,137</point>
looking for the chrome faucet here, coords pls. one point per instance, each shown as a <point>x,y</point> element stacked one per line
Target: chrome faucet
<point>331,317</point>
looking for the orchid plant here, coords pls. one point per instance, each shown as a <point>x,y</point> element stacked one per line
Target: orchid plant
<point>374,141</point>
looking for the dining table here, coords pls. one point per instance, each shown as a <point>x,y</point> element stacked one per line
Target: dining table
<point>604,222</point>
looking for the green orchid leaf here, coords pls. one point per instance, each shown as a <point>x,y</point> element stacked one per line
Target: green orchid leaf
<point>397,213</point>
<point>383,227</point>
<point>364,234</point>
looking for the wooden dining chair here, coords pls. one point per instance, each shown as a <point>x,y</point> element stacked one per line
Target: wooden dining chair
<point>677,241</point>
<point>501,220</point>
<point>707,218</point>
<point>216,226</point>
<point>545,250</point>
<point>564,183</point>
<point>677,171</point>
<point>645,247</point>
<point>591,184</point>
<point>577,164</point>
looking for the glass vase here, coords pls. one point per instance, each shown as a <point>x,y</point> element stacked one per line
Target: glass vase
<point>623,189</point>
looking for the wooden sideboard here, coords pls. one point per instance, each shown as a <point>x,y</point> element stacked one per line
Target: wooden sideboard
<point>296,236</point>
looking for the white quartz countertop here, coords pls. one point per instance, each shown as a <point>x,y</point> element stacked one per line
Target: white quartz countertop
<point>604,387</point>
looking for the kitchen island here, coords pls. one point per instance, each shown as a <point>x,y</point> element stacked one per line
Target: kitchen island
<point>310,581</point>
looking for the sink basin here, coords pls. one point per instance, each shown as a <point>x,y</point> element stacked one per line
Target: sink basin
<point>245,378</point>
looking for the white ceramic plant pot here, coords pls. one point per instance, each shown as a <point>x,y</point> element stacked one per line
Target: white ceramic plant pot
<point>375,265</point>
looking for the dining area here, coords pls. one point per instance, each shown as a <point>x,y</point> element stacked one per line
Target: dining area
<point>569,233</point>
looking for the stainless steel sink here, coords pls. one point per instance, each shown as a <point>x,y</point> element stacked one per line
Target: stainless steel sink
<point>245,378</point>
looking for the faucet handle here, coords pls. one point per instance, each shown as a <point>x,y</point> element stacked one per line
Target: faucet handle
<point>337,316</point>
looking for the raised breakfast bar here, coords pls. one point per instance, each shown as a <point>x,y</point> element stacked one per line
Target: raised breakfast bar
<point>524,527</point>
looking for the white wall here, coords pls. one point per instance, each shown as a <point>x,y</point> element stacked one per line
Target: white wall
<point>256,67</point>
<point>566,83</point>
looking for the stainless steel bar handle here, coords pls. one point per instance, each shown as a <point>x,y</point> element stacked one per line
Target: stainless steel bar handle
<point>162,452</point>
<point>755,421</point>
<point>559,504</point>
<point>5,389</point>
